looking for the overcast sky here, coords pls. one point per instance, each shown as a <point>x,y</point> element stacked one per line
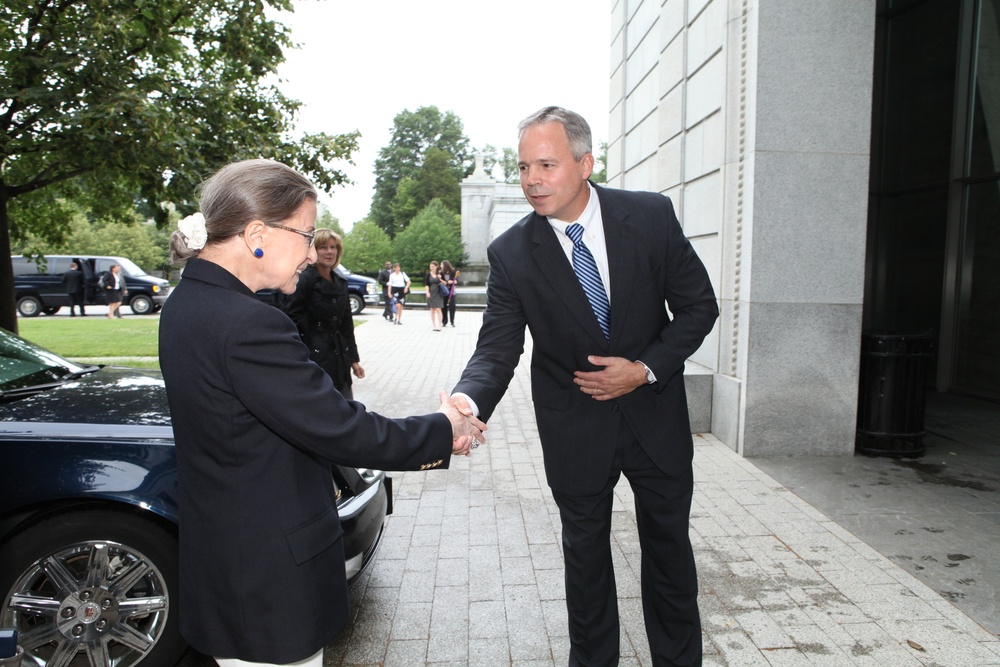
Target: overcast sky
<point>492,63</point>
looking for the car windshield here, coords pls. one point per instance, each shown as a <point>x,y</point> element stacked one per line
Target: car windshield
<point>24,365</point>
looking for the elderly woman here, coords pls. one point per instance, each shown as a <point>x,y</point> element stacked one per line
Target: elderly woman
<point>321,309</point>
<point>257,425</point>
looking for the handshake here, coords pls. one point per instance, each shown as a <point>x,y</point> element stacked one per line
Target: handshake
<point>467,430</point>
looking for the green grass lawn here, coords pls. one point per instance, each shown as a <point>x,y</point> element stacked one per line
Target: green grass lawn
<point>130,341</point>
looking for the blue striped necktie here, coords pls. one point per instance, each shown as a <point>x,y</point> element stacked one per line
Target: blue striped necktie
<point>586,271</point>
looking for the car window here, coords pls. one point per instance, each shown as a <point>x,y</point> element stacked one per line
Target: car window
<point>58,265</point>
<point>130,268</point>
<point>102,264</point>
<point>52,265</point>
<point>24,266</point>
<point>23,364</point>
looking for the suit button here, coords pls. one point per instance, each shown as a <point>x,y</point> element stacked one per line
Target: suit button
<point>614,408</point>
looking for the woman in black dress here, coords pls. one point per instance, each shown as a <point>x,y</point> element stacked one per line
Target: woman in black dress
<point>321,309</point>
<point>449,276</point>
<point>435,300</point>
<point>113,283</point>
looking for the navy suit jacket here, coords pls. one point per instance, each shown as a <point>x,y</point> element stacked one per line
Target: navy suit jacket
<point>256,425</point>
<point>532,284</point>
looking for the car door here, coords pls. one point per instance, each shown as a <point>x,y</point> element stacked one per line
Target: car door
<point>91,292</point>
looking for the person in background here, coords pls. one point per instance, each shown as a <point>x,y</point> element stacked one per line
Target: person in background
<point>257,425</point>
<point>321,310</point>
<point>616,300</point>
<point>449,276</point>
<point>113,283</point>
<point>399,287</point>
<point>72,282</point>
<point>434,298</point>
<point>383,280</point>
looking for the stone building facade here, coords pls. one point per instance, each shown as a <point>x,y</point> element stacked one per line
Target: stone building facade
<point>835,165</point>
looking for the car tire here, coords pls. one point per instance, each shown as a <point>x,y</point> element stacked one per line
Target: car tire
<point>141,304</point>
<point>357,304</point>
<point>117,579</point>
<point>29,306</point>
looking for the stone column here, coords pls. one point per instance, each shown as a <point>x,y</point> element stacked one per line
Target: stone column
<point>797,233</point>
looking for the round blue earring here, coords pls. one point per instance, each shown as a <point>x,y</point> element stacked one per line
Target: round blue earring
<point>258,253</point>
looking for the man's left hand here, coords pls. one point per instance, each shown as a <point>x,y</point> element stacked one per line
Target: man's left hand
<point>618,377</point>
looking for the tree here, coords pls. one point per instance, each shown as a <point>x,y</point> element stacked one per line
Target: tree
<point>140,241</point>
<point>436,179</point>
<point>414,133</point>
<point>367,248</point>
<point>600,174</point>
<point>439,179</point>
<point>406,204</point>
<point>433,235</point>
<point>502,161</point>
<point>111,102</point>
<point>329,221</point>
<point>511,174</point>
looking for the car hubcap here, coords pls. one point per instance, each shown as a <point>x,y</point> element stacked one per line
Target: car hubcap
<point>90,604</point>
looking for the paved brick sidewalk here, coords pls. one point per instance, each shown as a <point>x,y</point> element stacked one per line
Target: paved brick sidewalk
<point>470,572</point>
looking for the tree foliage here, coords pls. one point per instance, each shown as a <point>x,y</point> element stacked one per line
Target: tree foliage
<point>106,102</point>
<point>600,174</point>
<point>142,242</point>
<point>439,179</point>
<point>414,134</point>
<point>501,165</point>
<point>328,220</point>
<point>436,179</point>
<point>434,234</point>
<point>367,248</point>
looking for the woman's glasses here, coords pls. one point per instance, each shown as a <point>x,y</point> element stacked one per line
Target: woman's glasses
<point>311,236</point>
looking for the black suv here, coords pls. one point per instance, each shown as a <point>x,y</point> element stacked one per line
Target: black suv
<point>361,291</point>
<point>38,284</point>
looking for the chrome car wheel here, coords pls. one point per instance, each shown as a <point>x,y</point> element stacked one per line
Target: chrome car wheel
<point>357,304</point>
<point>98,601</point>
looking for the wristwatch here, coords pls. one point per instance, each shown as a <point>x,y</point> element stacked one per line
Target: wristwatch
<point>650,378</point>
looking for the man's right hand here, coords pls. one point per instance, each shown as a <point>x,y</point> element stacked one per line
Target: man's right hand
<point>467,431</point>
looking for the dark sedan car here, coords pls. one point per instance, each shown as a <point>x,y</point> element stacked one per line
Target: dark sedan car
<point>88,512</point>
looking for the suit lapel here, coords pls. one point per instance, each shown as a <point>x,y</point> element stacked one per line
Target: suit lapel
<point>619,238</point>
<point>554,266</point>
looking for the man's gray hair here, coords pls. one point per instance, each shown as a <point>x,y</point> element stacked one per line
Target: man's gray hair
<point>577,129</point>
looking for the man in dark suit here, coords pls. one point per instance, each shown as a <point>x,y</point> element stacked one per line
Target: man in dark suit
<point>72,282</point>
<point>606,403</point>
<point>383,280</point>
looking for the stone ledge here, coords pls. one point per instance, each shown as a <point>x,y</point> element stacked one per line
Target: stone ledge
<point>698,384</point>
